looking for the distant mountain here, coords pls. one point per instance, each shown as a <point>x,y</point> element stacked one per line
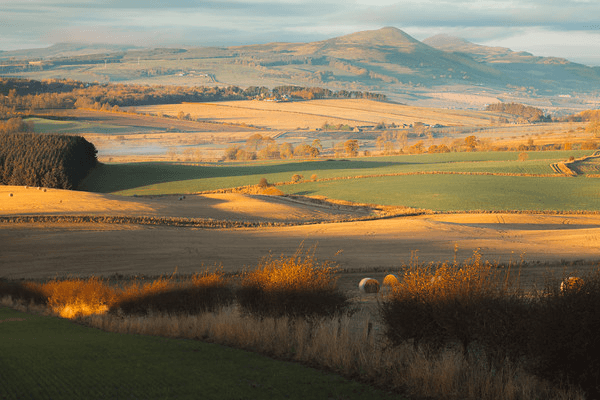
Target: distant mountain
<point>522,68</point>
<point>65,50</point>
<point>372,58</point>
<point>488,54</point>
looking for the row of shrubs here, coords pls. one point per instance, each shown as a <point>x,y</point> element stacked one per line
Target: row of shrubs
<point>481,308</point>
<point>475,306</point>
<point>294,287</point>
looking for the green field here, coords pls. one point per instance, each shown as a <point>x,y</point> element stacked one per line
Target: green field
<point>52,358</point>
<point>438,192</point>
<point>461,192</point>
<point>43,125</point>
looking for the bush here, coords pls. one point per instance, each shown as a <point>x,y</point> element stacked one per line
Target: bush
<point>25,291</point>
<point>296,286</point>
<point>204,292</point>
<point>467,304</point>
<point>565,338</point>
<point>297,178</point>
<point>263,183</point>
<point>70,298</point>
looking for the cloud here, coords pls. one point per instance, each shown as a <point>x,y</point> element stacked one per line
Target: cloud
<point>232,22</point>
<point>562,15</point>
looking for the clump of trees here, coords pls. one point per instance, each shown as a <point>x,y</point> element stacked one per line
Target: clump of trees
<point>15,125</point>
<point>55,161</point>
<point>526,113</point>
<point>262,147</point>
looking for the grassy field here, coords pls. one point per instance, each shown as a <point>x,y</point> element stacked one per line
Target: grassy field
<point>51,358</point>
<point>43,125</point>
<point>462,193</point>
<point>438,192</point>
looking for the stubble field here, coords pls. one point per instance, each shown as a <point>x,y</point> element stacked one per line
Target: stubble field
<point>54,248</point>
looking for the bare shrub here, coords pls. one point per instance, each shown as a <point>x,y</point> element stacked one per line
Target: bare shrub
<point>263,183</point>
<point>451,303</point>
<point>295,286</point>
<point>28,292</point>
<point>200,293</point>
<point>565,329</point>
<point>74,297</point>
<point>297,178</point>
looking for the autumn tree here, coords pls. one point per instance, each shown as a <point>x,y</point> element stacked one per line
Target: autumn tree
<point>471,142</point>
<point>593,128</point>
<point>351,147</point>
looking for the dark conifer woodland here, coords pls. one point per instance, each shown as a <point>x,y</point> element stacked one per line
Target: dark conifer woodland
<point>54,161</point>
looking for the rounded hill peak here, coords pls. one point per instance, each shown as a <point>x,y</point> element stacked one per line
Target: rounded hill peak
<point>388,36</point>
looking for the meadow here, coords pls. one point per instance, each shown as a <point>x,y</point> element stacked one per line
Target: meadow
<point>45,357</point>
<point>495,180</point>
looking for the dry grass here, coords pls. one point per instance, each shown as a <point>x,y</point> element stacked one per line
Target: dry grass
<point>350,346</point>
<point>354,345</point>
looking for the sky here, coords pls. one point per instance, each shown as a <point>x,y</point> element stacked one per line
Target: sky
<point>561,28</point>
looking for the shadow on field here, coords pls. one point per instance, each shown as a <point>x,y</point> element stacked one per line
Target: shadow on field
<point>108,178</point>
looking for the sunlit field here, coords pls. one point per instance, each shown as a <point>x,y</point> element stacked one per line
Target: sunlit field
<point>494,180</point>
<point>462,193</point>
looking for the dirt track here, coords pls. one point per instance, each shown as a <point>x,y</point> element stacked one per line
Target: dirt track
<point>43,250</point>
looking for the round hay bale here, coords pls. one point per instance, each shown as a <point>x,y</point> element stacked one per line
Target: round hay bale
<point>571,283</point>
<point>368,285</point>
<point>390,280</point>
<point>10,195</point>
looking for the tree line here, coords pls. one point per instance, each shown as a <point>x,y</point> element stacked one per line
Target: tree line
<point>20,97</point>
<point>55,161</point>
<point>259,147</point>
<point>527,113</point>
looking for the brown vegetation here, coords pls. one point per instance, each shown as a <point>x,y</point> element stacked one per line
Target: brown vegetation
<point>354,345</point>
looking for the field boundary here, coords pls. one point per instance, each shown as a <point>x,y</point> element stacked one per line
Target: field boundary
<point>247,188</point>
<point>229,224</point>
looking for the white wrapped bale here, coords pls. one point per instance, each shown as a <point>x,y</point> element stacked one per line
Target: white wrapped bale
<point>368,285</point>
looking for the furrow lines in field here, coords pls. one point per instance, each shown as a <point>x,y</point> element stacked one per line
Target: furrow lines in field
<point>296,112</point>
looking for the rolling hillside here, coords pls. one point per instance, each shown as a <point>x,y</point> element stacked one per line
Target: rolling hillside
<point>387,61</point>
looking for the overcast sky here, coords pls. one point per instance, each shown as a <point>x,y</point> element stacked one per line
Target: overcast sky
<point>563,28</point>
